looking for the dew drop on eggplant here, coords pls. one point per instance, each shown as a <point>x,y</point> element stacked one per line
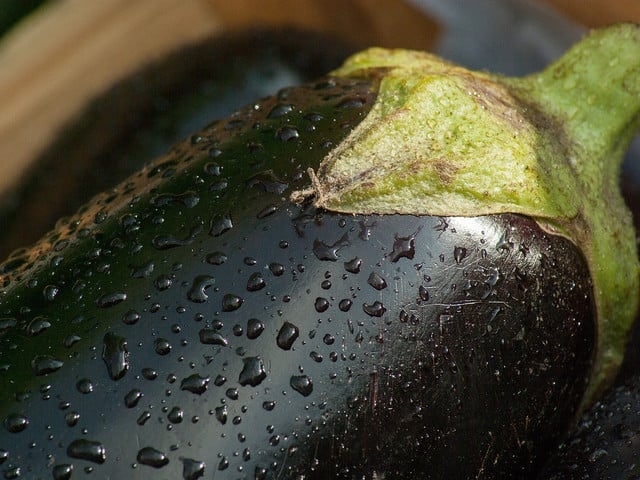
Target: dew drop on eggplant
<point>326,252</point>
<point>152,457</point>
<point>231,302</point>
<point>111,299</point>
<point>132,398</point>
<point>62,471</point>
<point>221,414</point>
<point>195,384</point>
<point>15,422</point>
<point>72,418</point>
<point>209,336</point>
<point>85,386</point>
<point>162,282</point>
<point>130,317</point>
<point>162,346</point>
<point>256,282</point>
<point>44,364</point>
<point>321,304</point>
<point>403,247</point>
<point>176,415</point>
<point>149,373</point>
<point>276,269</point>
<point>220,224</point>
<point>345,305</point>
<point>375,309</point>
<point>353,265</point>
<point>38,325</point>
<point>89,450</point>
<point>287,335</point>
<point>280,110</point>
<point>377,281</point>
<point>216,258</point>
<point>253,372</point>
<point>192,469</point>
<point>301,384</point>
<point>198,291</point>
<point>254,328</point>
<point>143,418</point>
<point>115,355</point>
<point>459,254</point>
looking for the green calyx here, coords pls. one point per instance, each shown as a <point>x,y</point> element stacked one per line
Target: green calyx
<point>443,140</point>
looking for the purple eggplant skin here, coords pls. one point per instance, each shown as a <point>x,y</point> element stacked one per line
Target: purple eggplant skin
<point>194,323</point>
<point>606,442</point>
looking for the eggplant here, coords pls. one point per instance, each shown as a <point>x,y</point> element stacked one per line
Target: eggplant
<point>604,444</point>
<point>401,270</point>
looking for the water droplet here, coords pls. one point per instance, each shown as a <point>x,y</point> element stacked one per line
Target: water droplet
<point>197,293</point>
<point>216,258</point>
<point>195,384</point>
<point>188,199</point>
<point>459,254</point>
<point>176,415</point>
<point>345,305</point>
<point>423,293</point>
<point>403,247</point>
<point>221,414</point>
<point>162,346</point>
<point>255,282</point>
<point>231,302</point>
<point>84,385</point>
<point>44,364</point>
<point>144,416</point>
<point>15,422</point>
<point>115,355</point>
<point>89,450</point>
<point>252,372</point>
<point>254,328</point>
<point>315,356</point>
<point>280,110</point>
<point>72,418</point>
<point>328,339</point>
<point>268,182</point>
<point>7,324</point>
<point>287,335</point>
<point>376,281</point>
<point>192,469</point>
<point>50,292</point>
<point>131,317</point>
<point>62,471</point>
<point>329,252</point>
<point>321,304</point>
<point>209,336</point>
<point>276,269</point>
<point>287,133</point>
<point>353,265</point>
<point>163,282</point>
<point>220,224</point>
<point>301,384</point>
<point>111,299</point>
<point>165,242</point>
<point>149,373</point>
<point>132,398</point>
<point>70,340</point>
<point>376,309</point>
<point>152,457</point>
<point>37,326</point>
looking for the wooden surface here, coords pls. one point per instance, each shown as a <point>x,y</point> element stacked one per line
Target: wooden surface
<point>598,13</point>
<point>49,73</point>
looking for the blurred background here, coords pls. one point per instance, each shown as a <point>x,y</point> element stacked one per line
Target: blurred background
<point>90,91</point>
